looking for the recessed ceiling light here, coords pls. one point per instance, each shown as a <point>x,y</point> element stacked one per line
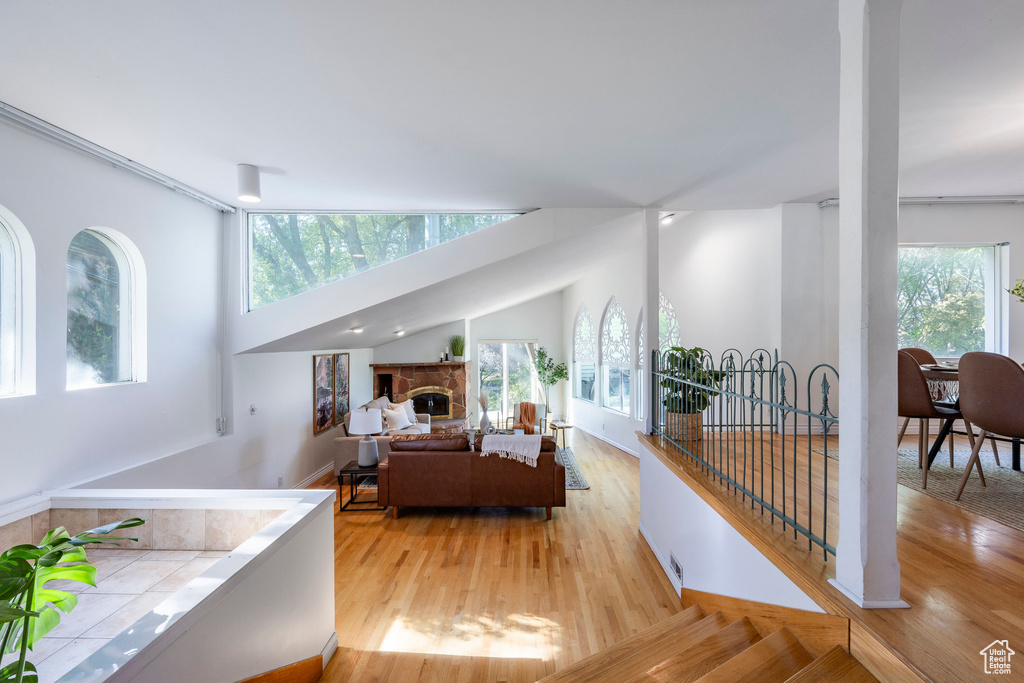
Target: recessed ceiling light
<point>400,332</point>
<point>357,330</point>
<point>667,219</point>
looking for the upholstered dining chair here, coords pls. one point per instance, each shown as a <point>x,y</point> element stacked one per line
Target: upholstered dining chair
<point>915,402</point>
<point>923,357</point>
<point>991,396</point>
<point>540,423</point>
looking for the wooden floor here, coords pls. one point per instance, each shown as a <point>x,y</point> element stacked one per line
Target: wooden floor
<point>492,594</point>
<point>961,573</point>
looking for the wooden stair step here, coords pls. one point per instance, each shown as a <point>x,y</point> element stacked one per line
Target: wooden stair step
<point>835,665</point>
<point>640,652</point>
<point>694,662</point>
<point>775,658</point>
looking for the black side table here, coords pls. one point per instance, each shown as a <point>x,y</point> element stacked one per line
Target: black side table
<point>356,474</point>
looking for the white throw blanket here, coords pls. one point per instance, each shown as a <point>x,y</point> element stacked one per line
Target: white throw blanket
<point>523,448</point>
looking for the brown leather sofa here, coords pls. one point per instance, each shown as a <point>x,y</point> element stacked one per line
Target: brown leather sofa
<point>440,470</point>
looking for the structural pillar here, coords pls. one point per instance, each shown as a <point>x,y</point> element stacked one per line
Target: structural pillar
<point>652,288</point>
<point>867,569</point>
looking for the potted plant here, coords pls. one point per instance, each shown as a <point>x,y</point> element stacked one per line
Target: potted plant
<point>458,346</point>
<point>28,609</point>
<point>1018,290</point>
<point>685,402</point>
<point>549,373</point>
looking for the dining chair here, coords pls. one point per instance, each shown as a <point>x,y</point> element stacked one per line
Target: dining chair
<point>991,396</point>
<point>923,357</point>
<point>915,402</point>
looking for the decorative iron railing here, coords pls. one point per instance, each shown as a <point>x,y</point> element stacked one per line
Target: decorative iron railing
<point>744,423</point>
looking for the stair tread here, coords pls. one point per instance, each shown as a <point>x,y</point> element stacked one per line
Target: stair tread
<point>775,658</point>
<point>696,661</point>
<point>635,655</point>
<point>835,665</point>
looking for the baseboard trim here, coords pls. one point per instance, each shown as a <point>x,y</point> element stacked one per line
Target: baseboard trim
<point>329,649</point>
<point>312,478</point>
<point>662,560</point>
<point>608,441</point>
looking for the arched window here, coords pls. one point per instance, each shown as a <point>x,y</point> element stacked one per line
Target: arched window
<point>584,356</point>
<point>668,324</point>
<point>640,358</point>
<point>106,323</point>
<point>616,358</point>
<point>17,307</point>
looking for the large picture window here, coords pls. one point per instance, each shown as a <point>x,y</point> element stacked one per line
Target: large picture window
<point>615,359</point>
<point>290,253</point>
<point>950,299</point>
<point>506,375</point>
<point>584,356</point>
<point>102,309</point>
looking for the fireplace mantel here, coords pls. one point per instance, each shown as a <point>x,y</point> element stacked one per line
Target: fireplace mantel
<point>403,378</point>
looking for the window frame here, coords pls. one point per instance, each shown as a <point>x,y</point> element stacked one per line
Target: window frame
<point>622,367</point>
<point>132,322</point>
<point>535,393</point>
<point>997,299</point>
<point>17,309</point>
<point>580,358</point>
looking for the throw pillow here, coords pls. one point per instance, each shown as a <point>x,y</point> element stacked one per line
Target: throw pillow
<point>407,407</point>
<point>396,419</point>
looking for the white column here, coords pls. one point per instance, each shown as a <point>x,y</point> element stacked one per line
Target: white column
<point>867,569</point>
<point>651,220</point>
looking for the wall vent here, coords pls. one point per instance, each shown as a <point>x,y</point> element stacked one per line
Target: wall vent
<point>676,568</point>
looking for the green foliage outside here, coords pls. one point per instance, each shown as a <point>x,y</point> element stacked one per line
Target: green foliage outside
<point>941,299</point>
<point>1018,290</point>
<point>493,359</point>
<point>292,253</point>
<point>28,608</point>
<point>94,311</point>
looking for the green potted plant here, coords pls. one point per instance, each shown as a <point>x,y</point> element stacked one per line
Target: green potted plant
<point>28,609</point>
<point>549,373</point>
<point>685,403</point>
<point>458,346</point>
<point>1018,290</point>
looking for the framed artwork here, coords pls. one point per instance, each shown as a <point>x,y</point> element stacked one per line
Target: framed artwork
<point>340,387</point>
<point>323,392</point>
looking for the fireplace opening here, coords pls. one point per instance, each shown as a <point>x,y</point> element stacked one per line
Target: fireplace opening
<point>434,401</point>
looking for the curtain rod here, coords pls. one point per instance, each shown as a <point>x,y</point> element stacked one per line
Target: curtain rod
<point>92,149</point>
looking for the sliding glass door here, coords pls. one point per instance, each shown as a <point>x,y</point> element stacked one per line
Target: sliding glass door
<point>506,376</point>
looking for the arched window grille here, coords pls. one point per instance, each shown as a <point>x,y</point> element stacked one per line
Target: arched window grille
<point>584,356</point>
<point>616,358</point>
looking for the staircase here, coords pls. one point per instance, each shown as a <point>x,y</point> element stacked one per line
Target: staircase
<point>711,648</point>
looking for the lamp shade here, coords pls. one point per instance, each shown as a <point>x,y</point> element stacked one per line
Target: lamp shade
<point>365,421</point>
<point>249,183</point>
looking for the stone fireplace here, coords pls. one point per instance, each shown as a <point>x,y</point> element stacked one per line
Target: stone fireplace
<point>430,386</point>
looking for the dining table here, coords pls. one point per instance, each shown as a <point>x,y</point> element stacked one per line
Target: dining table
<point>944,385</point>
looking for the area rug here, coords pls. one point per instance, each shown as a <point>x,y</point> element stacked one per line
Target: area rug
<point>1001,500</point>
<point>367,484</point>
<point>574,478</point>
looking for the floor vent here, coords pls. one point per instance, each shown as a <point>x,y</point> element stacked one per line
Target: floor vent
<point>677,568</point>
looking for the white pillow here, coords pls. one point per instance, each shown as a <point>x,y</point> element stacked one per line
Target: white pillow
<point>407,407</point>
<point>397,419</point>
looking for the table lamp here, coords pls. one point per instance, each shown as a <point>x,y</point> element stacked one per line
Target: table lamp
<point>366,421</point>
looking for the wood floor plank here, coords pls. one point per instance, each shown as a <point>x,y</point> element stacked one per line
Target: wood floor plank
<point>770,660</point>
<point>696,661</point>
<point>835,666</point>
<point>495,594</point>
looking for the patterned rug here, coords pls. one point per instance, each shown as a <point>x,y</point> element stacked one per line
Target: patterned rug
<point>574,478</point>
<point>1002,500</point>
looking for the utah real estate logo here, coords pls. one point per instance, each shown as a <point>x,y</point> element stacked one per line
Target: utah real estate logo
<point>997,657</point>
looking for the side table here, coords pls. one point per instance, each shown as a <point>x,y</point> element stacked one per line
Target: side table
<point>557,428</point>
<point>356,474</point>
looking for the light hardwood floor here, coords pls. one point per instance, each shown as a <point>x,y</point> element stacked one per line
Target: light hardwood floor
<point>494,594</point>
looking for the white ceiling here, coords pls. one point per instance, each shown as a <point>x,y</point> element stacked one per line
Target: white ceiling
<point>405,105</point>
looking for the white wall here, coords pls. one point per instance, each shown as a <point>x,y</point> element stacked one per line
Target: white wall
<point>721,271</point>
<point>623,279</point>
<point>57,437</point>
<point>714,556</point>
<point>540,320</point>
<point>423,347</point>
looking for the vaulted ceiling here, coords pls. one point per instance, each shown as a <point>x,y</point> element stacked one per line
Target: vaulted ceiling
<point>407,105</point>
